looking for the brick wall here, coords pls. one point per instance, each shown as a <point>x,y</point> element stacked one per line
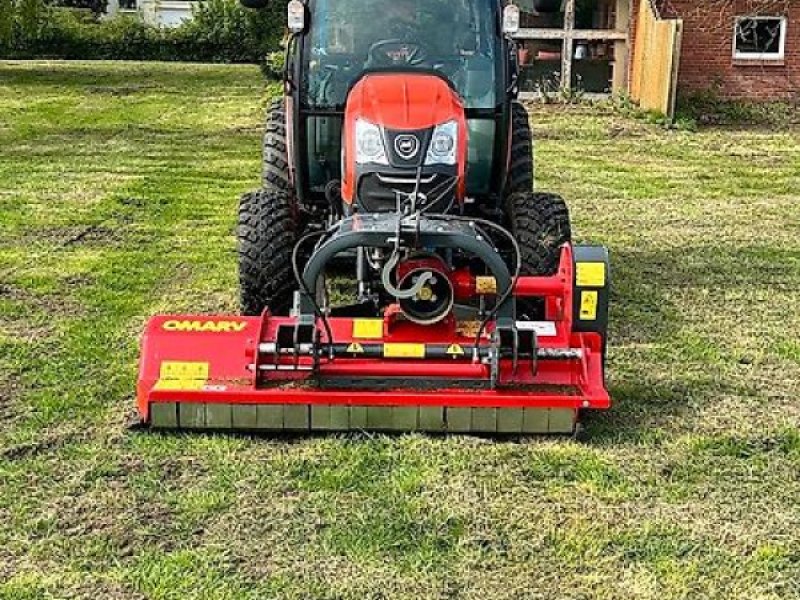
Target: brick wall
<point>707,53</point>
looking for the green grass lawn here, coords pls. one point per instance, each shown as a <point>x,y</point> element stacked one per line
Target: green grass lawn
<point>118,193</point>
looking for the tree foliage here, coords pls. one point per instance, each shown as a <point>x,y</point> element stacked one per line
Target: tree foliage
<point>25,17</point>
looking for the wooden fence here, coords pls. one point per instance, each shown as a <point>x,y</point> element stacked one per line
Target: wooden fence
<point>656,57</point>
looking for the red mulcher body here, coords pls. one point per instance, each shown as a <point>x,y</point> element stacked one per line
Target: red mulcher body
<point>231,372</point>
<point>474,311</point>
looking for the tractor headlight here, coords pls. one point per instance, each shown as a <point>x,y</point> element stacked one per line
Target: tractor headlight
<point>443,146</point>
<point>369,144</point>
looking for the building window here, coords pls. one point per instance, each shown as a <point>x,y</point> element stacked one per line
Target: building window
<point>577,44</point>
<point>128,4</point>
<point>759,38</point>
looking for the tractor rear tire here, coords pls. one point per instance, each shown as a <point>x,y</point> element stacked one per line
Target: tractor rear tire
<point>520,170</point>
<point>275,166</point>
<point>540,224</point>
<point>266,236</point>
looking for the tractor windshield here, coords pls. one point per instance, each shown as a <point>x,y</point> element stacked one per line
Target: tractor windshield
<point>454,37</point>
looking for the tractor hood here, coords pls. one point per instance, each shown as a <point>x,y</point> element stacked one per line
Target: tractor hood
<point>404,101</point>
<point>403,112</point>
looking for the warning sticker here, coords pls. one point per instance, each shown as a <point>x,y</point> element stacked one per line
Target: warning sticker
<point>590,274</point>
<point>468,328</point>
<point>355,348</point>
<point>176,369</point>
<point>588,306</point>
<point>404,350</point>
<point>179,384</point>
<point>368,329</point>
<point>485,285</point>
<point>182,375</point>
<point>455,350</point>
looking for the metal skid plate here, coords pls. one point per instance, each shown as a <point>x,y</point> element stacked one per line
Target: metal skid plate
<point>307,418</point>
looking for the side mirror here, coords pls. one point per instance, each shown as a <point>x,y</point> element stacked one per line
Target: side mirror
<point>510,19</point>
<point>254,3</point>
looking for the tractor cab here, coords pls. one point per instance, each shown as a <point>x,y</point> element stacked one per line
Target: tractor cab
<point>334,44</point>
<point>455,38</point>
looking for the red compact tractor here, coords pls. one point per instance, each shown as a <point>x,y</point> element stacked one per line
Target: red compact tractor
<point>397,271</point>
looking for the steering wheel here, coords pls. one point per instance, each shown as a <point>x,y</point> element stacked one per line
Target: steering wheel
<point>394,52</point>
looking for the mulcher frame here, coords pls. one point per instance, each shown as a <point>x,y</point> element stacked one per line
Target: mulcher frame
<point>251,373</point>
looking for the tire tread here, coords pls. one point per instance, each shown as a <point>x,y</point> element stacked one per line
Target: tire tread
<point>520,170</point>
<point>540,223</point>
<point>266,239</point>
<point>275,165</point>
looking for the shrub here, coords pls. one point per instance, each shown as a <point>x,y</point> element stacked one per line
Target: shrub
<point>709,107</point>
<point>67,36</point>
<point>234,33</point>
<point>20,19</point>
<point>221,31</point>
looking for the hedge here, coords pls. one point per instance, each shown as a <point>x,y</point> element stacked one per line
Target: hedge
<point>96,6</point>
<point>221,31</point>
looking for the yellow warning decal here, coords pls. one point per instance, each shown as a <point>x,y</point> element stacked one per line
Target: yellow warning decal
<point>182,375</point>
<point>404,350</point>
<point>455,350</point>
<point>368,329</point>
<point>588,306</point>
<point>590,274</point>
<point>176,369</point>
<point>179,384</point>
<point>355,348</point>
<point>485,285</point>
<point>204,326</point>
<point>468,328</point>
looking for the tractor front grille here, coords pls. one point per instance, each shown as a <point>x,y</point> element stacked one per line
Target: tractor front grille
<point>377,192</point>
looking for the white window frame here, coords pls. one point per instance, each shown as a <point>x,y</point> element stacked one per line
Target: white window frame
<point>761,56</point>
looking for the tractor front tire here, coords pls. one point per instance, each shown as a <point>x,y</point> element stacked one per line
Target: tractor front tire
<point>540,224</point>
<point>520,169</point>
<point>275,166</point>
<point>266,237</point>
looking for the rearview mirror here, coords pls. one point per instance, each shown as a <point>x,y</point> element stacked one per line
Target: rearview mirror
<point>254,3</point>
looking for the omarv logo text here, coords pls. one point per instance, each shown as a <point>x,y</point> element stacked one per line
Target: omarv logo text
<point>205,326</point>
